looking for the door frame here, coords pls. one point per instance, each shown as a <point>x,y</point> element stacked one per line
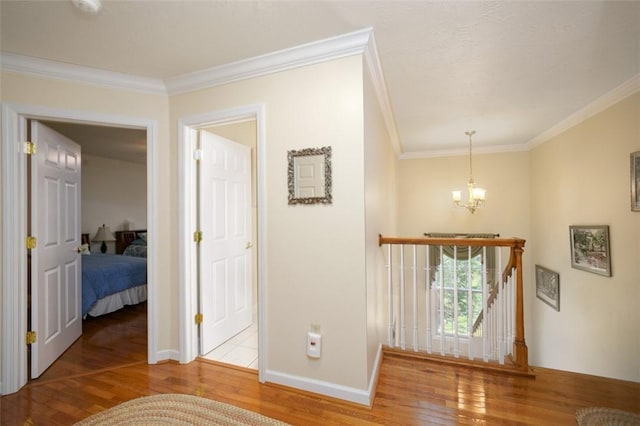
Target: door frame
<point>188,293</point>
<point>14,229</point>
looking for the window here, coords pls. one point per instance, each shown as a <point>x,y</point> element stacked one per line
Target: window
<point>469,295</point>
<point>456,284</point>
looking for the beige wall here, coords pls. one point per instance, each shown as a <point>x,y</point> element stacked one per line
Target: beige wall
<point>105,202</point>
<point>424,192</point>
<point>380,215</point>
<point>581,177</point>
<point>315,253</point>
<point>68,96</point>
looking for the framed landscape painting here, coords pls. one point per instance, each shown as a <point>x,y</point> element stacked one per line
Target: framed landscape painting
<point>590,249</point>
<point>548,286</point>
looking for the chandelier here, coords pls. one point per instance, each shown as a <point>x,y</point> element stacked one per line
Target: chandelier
<point>475,197</point>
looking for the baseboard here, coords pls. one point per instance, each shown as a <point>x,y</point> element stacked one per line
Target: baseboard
<point>346,393</point>
<point>373,382</point>
<point>167,354</point>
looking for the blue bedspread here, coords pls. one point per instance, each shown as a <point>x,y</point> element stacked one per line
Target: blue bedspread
<point>106,274</point>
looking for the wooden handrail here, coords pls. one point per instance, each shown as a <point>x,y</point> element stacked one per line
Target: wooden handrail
<point>465,242</point>
<point>516,245</point>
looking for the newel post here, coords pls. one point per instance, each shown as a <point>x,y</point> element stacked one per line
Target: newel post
<point>519,346</point>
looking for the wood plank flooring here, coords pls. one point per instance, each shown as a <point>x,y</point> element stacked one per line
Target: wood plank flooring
<point>410,392</point>
<point>108,341</point>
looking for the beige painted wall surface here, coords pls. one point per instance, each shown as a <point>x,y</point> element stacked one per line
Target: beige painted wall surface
<point>380,216</point>
<point>581,177</point>
<point>315,253</point>
<point>105,202</point>
<point>64,95</point>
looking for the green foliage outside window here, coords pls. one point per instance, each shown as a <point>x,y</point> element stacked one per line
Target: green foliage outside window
<point>465,279</point>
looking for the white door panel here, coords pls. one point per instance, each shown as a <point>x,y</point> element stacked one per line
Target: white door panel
<point>226,247</point>
<point>56,268</point>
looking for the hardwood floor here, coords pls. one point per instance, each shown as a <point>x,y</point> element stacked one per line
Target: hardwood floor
<point>109,341</point>
<point>409,392</point>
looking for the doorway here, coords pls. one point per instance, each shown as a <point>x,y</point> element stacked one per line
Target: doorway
<point>14,182</point>
<point>226,216</point>
<point>189,294</point>
<point>113,191</point>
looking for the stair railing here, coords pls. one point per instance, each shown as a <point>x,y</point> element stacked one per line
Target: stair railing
<point>498,329</point>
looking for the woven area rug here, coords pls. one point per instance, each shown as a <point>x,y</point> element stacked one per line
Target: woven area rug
<point>176,409</point>
<point>598,416</point>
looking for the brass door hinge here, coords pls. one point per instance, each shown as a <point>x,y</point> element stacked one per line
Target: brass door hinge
<point>29,148</point>
<point>198,318</point>
<point>197,236</point>
<point>31,337</point>
<point>31,242</point>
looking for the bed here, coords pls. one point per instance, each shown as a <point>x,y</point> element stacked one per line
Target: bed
<point>111,281</point>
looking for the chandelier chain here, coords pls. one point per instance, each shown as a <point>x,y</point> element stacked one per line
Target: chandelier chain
<point>470,133</point>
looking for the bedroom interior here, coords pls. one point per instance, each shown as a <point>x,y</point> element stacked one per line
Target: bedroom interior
<point>553,154</point>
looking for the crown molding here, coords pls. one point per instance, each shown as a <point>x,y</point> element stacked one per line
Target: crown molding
<point>495,149</point>
<point>610,98</point>
<point>306,54</point>
<point>44,68</point>
<point>373,66</point>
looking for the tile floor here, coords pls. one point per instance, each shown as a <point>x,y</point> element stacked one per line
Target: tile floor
<point>240,350</point>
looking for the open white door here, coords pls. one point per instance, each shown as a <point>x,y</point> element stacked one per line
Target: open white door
<point>56,271</point>
<point>226,250</point>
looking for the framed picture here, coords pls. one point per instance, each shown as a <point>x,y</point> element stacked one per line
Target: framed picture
<point>635,181</point>
<point>309,176</point>
<point>590,249</point>
<point>548,287</point>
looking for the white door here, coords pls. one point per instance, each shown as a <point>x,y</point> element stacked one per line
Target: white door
<point>56,271</point>
<point>226,249</point>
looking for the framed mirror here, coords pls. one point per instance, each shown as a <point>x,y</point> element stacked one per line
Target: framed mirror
<point>309,176</point>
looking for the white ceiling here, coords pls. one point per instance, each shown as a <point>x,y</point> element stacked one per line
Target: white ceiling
<point>510,70</point>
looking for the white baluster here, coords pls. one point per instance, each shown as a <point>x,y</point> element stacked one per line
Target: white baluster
<point>429,310</point>
<point>415,298</point>
<point>443,337</point>
<point>403,325</point>
<point>485,313</point>
<point>456,337</point>
<point>501,307</point>
<point>512,304</point>
<point>469,306</point>
<point>390,297</point>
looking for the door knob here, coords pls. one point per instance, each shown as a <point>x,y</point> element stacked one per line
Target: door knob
<point>249,245</point>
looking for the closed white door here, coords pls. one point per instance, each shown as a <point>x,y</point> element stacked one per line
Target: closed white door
<point>226,249</point>
<point>56,270</point>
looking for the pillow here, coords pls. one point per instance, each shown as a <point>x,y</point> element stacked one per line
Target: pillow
<point>135,250</point>
<point>142,236</point>
<point>138,242</point>
<point>84,249</point>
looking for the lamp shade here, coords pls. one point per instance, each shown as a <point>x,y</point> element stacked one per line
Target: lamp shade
<point>104,234</point>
